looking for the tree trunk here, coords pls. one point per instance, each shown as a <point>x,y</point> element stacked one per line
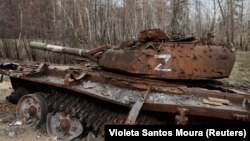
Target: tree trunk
<point>25,47</point>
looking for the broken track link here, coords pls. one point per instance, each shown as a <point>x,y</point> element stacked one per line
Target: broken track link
<point>94,114</point>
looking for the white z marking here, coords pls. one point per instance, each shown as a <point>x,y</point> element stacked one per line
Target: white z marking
<point>166,57</point>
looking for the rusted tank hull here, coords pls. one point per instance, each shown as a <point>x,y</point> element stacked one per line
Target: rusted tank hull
<point>164,97</point>
<point>172,61</point>
<point>76,100</point>
<point>173,104</point>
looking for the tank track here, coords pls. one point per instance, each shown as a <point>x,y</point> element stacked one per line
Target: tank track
<point>93,114</point>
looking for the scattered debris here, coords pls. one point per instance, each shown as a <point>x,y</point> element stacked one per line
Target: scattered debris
<point>18,123</point>
<point>89,85</point>
<point>38,135</point>
<point>11,134</point>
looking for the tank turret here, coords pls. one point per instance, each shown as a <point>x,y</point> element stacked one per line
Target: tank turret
<point>161,60</point>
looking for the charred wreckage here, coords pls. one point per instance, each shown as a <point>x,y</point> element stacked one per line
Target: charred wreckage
<point>152,80</point>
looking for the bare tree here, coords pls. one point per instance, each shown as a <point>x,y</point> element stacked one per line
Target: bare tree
<point>84,23</point>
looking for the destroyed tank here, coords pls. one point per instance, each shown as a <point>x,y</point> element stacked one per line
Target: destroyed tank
<point>152,80</point>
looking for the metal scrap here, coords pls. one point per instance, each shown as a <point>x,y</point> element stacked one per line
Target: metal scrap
<point>9,66</point>
<point>206,101</point>
<point>216,101</point>
<point>136,108</point>
<point>219,100</point>
<point>42,68</point>
<point>246,104</point>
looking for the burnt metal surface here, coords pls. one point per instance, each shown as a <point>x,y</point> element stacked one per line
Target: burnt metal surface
<point>10,66</point>
<point>152,35</point>
<point>85,99</point>
<point>136,108</point>
<point>152,57</point>
<point>172,61</point>
<point>63,126</point>
<point>160,100</point>
<point>32,108</point>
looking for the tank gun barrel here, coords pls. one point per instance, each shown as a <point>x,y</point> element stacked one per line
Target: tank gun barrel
<point>90,54</point>
<point>59,49</point>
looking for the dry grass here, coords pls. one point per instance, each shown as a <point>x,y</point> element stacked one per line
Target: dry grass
<point>241,70</point>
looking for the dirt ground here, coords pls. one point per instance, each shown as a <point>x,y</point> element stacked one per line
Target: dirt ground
<point>10,132</point>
